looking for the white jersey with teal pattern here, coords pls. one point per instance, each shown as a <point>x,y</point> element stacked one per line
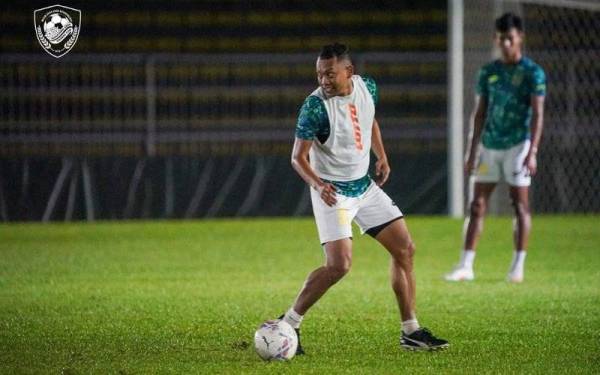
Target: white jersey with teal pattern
<point>341,128</point>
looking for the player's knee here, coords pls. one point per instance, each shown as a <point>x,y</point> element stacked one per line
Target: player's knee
<point>339,269</point>
<point>404,252</point>
<point>478,207</point>
<point>521,208</point>
<point>412,248</point>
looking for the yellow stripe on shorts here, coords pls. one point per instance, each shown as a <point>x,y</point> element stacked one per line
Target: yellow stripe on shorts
<point>342,215</point>
<point>483,169</point>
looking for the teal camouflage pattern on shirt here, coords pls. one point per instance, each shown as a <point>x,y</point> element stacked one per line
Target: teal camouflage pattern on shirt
<point>372,87</point>
<point>313,123</point>
<point>508,89</point>
<point>352,188</point>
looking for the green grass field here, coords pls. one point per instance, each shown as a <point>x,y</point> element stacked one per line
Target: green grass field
<point>185,297</point>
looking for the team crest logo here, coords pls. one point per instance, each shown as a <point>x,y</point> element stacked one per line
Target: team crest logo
<point>57,28</point>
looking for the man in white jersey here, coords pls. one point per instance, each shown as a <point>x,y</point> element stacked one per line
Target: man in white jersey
<point>336,128</point>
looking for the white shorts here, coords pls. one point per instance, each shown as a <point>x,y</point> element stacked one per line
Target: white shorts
<point>372,211</point>
<point>495,165</point>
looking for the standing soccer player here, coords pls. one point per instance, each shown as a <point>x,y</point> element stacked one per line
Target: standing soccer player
<point>508,118</point>
<point>336,128</point>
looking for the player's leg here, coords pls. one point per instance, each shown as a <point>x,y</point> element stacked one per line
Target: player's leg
<point>397,241</point>
<point>481,185</point>
<point>379,216</point>
<point>338,259</point>
<point>477,210</point>
<point>473,227</point>
<point>519,196</point>
<point>335,233</point>
<point>519,179</point>
<point>521,228</point>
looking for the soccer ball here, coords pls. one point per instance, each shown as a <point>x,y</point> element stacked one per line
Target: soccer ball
<point>275,340</point>
<point>57,28</point>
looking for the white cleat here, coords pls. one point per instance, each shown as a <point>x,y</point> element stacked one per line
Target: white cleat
<point>514,277</point>
<point>460,274</point>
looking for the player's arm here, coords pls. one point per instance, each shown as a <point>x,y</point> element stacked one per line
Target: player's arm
<point>477,120</point>
<point>537,124</point>
<point>538,93</point>
<point>382,167</point>
<point>301,164</point>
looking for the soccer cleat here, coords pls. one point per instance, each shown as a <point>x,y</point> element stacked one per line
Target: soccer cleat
<point>299,349</point>
<point>460,273</point>
<point>514,276</point>
<point>422,340</point>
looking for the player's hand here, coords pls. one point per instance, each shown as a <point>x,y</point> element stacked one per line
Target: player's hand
<point>530,163</point>
<point>327,193</point>
<point>382,171</point>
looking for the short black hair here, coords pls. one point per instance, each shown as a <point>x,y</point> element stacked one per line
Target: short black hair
<point>338,50</point>
<point>507,21</point>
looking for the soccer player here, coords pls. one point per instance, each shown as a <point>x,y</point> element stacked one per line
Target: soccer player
<point>334,134</point>
<point>507,120</point>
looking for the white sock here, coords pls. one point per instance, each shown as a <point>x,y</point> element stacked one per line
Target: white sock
<point>293,318</point>
<point>409,326</point>
<point>467,258</point>
<point>518,263</point>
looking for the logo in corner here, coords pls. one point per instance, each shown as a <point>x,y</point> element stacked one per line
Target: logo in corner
<point>57,28</point>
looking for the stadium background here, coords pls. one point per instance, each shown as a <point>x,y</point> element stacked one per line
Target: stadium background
<point>187,109</point>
